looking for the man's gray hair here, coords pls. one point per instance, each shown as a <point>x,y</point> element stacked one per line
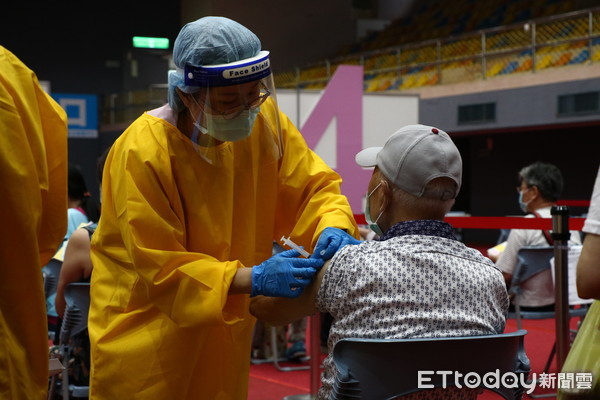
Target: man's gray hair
<point>546,177</point>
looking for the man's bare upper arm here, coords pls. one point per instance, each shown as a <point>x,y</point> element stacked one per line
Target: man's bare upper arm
<point>281,311</point>
<point>588,271</point>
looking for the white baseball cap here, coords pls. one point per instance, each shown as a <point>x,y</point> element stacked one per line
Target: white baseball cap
<point>415,155</point>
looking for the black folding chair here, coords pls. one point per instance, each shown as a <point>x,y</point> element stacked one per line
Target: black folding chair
<point>387,368</point>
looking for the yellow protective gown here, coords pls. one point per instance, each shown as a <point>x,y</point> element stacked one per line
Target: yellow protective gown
<point>173,232</point>
<point>33,222</point>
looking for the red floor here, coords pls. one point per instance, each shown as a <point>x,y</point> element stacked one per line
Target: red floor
<point>268,383</point>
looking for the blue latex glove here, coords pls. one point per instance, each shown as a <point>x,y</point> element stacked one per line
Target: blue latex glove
<point>283,275</point>
<point>330,241</point>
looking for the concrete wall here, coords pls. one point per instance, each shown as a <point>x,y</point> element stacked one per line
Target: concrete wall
<point>518,107</point>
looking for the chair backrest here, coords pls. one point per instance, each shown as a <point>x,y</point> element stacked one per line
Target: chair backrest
<point>531,261</point>
<point>387,368</point>
<point>51,272</point>
<point>573,255</point>
<point>77,297</point>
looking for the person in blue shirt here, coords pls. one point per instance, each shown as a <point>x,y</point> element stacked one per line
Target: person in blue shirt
<point>82,208</point>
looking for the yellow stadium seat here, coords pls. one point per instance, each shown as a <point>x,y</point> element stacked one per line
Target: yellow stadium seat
<point>543,62</point>
<point>495,69</point>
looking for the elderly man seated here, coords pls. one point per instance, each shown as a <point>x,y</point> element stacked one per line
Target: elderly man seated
<point>418,280</point>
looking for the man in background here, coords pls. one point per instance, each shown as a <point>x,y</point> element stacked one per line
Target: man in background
<point>540,186</point>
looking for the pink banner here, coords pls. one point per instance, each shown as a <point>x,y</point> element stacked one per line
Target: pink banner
<point>342,100</point>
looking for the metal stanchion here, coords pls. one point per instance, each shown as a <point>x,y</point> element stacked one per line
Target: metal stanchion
<point>560,235</point>
<point>315,360</point>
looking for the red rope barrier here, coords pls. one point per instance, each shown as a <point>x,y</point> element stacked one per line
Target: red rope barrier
<point>360,219</point>
<point>575,223</point>
<point>573,203</point>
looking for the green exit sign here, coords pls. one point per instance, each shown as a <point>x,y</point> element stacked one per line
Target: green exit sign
<point>150,42</point>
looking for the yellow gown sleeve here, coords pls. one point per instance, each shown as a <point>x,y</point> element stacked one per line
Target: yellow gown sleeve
<point>190,287</point>
<point>309,198</point>
<point>54,186</point>
<point>33,211</point>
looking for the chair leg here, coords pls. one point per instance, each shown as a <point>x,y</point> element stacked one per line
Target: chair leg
<point>519,323</point>
<point>546,369</point>
<point>550,357</point>
<point>518,313</point>
<point>573,333</point>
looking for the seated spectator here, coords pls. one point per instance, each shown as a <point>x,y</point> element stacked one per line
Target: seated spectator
<point>82,210</point>
<point>540,186</point>
<point>77,267</point>
<point>417,280</point>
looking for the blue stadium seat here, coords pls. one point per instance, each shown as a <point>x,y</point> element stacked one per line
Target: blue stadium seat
<point>580,58</point>
<point>510,68</point>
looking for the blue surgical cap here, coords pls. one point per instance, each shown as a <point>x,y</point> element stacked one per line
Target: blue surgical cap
<point>208,41</point>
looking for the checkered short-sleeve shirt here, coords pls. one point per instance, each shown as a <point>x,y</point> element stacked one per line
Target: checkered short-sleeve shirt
<point>411,285</point>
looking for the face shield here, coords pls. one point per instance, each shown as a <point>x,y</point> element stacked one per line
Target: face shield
<point>235,107</point>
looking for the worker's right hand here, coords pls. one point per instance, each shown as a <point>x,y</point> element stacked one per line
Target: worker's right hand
<point>284,275</point>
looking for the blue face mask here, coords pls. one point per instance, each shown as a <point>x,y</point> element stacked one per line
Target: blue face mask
<point>523,204</point>
<point>229,130</point>
<point>373,224</point>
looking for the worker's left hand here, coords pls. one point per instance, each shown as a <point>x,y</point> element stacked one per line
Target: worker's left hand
<point>284,275</point>
<point>330,241</point>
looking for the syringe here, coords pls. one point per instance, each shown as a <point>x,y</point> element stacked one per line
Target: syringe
<point>289,243</point>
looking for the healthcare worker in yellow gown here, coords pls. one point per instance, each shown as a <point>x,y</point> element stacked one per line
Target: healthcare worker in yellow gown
<point>33,222</point>
<point>193,195</point>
